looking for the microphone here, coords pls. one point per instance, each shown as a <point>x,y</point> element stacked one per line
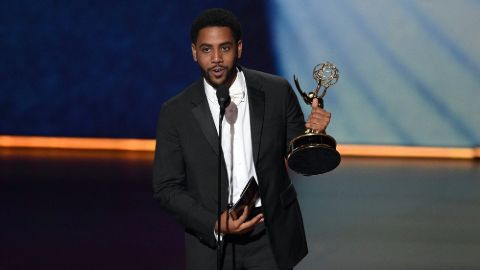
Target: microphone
<point>223,96</point>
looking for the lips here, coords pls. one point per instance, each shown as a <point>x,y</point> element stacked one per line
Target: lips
<point>217,71</point>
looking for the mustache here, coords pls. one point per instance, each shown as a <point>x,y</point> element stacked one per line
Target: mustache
<point>217,66</point>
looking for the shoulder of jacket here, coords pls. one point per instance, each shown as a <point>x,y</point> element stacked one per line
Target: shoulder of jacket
<point>256,74</point>
<point>184,97</point>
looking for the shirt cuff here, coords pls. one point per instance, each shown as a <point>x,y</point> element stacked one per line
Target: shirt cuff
<point>217,237</point>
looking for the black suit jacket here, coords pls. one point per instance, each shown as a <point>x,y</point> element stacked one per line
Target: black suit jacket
<point>185,170</point>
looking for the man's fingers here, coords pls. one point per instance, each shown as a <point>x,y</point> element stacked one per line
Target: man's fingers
<point>319,120</point>
<point>239,227</point>
<point>244,215</point>
<point>258,218</point>
<point>319,112</point>
<point>315,103</point>
<point>319,117</point>
<point>233,214</point>
<point>250,224</point>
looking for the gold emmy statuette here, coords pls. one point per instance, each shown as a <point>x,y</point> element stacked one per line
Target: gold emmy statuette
<point>313,152</point>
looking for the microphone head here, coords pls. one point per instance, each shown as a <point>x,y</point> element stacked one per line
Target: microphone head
<point>223,95</point>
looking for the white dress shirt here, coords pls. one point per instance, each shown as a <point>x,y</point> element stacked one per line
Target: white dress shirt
<point>236,138</point>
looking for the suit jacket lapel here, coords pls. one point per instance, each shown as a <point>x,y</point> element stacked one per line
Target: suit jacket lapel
<point>201,112</point>
<point>256,100</point>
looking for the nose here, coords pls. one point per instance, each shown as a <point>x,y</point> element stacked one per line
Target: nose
<point>217,57</point>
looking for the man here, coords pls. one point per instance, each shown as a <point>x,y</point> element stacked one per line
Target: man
<point>267,117</point>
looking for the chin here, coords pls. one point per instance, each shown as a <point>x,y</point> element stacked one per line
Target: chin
<point>216,83</point>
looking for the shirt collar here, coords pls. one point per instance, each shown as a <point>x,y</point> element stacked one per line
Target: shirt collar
<point>236,90</point>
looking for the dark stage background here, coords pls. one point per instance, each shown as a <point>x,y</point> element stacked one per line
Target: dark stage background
<point>409,70</point>
<point>103,68</point>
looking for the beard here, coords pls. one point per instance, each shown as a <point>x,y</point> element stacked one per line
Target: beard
<point>230,76</point>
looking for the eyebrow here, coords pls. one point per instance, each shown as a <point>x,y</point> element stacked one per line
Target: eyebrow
<point>221,44</point>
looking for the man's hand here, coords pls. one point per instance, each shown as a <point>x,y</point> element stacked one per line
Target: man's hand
<point>318,119</point>
<point>240,225</point>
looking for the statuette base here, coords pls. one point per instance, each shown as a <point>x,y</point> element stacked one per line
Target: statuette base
<point>313,153</point>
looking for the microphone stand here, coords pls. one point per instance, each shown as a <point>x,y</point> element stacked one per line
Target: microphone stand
<point>219,188</point>
<point>223,100</point>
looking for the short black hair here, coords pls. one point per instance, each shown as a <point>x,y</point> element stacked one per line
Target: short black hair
<point>216,17</point>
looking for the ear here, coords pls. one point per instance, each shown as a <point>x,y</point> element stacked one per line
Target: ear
<point>194,52</point>
<point>239,49</point>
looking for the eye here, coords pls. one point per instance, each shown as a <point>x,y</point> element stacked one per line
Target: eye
<point>206,49</point>
<point>225,48</point>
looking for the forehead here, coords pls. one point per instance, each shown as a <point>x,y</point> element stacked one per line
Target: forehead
<point>215,35</point>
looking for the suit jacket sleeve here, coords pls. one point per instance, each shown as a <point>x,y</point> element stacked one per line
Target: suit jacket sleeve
<point>295,119</point>
<point>169,181</point>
